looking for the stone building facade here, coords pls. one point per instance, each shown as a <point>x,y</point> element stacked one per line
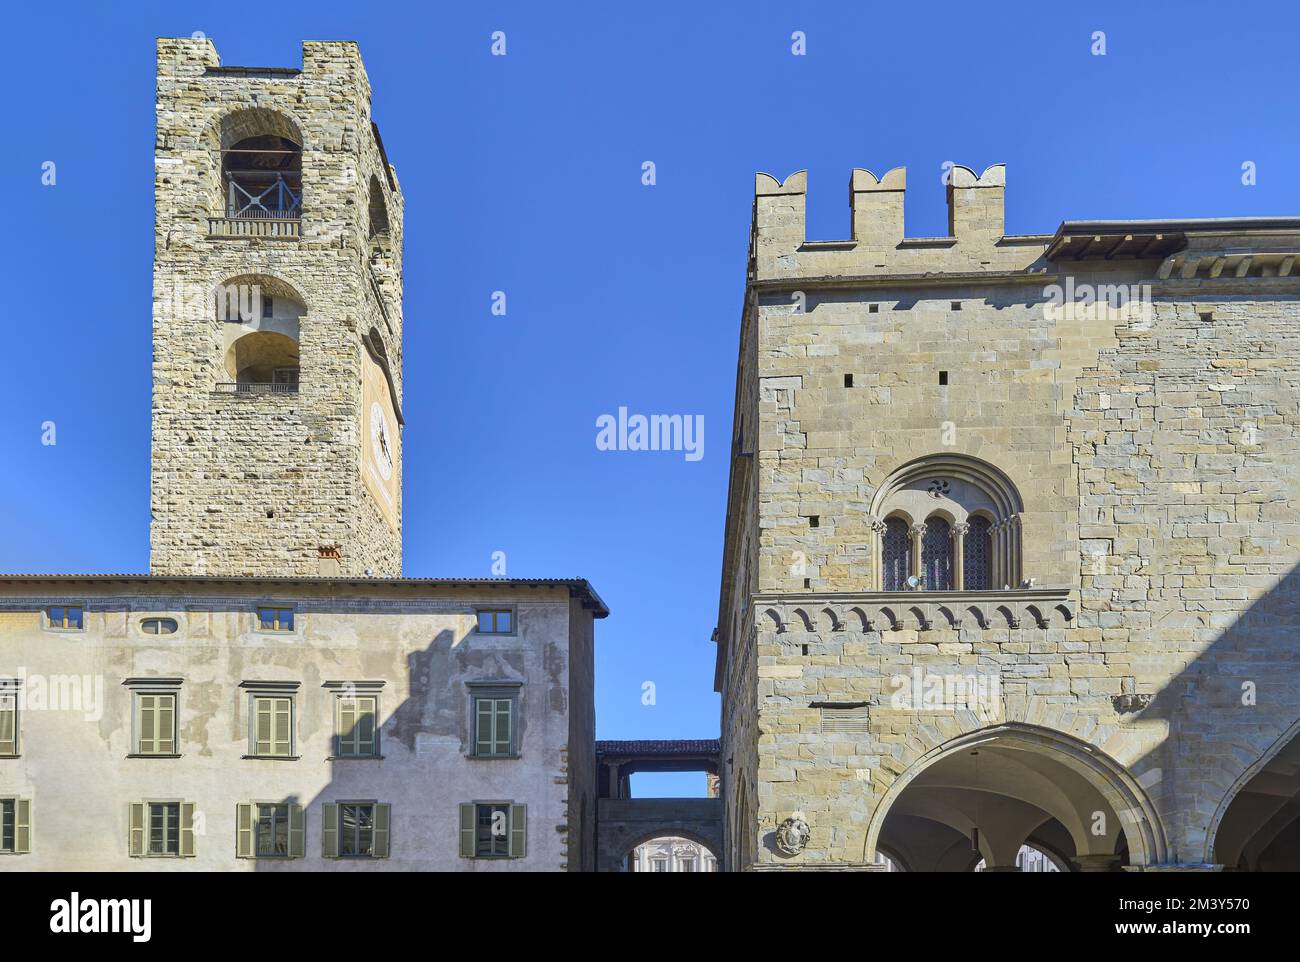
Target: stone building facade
<point>1011,539</point>
<point>368,724</point>
<point>272,696</point>
<point>277,402</point>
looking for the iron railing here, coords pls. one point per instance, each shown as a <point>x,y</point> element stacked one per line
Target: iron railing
<point>256,387</point>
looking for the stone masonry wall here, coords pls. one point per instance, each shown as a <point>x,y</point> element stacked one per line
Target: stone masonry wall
<point>256,484</point>
<point>1157,460</point>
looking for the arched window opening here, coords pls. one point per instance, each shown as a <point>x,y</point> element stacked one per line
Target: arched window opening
<point>261,178</point>
<point>972,541</point>
<point>977,555</point>
<point>263,362</point>
<point>378,209</point>
<point>936,555</point>
<point>897,555</point>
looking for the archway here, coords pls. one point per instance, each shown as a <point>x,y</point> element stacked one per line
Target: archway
<point>1257,826</point>
<point>992,791</point>
<point>673,852</point>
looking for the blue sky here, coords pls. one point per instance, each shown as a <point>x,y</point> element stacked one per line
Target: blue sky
<point>523,174</point>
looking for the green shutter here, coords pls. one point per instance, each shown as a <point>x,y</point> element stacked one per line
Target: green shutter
<point>284,726</point>
<point>187,829</point>
<point>144,724</point>
<point>8,725</point>
<point>262,721</point>
<point>329,840</point>
<point>244,830</point>
<point>297,832</point>
<point>504,707</point>
<point>483,726</point>
<point>135,834</point>
<point>22,826</point>
<point>518,830</point>
<point>166,724</point>
<point>367,719</point>
<point>383,822</point>
<point>347,719</point>
<point>467,831</point>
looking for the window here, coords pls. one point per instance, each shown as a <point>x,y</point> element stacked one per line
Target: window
<point>275,619</point>
<point>288,376</point>
<point>976,555</point>
<point>356,726</point>
<point>65,617</point>
<point>158,626</point>
<point>936,555</point>
<point>162,829</point>
<point>493,830</point>
<point>15,826</point>
<point>270,830</point>
<point>270,732</point>
<point>659,865</point>
<point>155,723</point>
<point>848,380</point>
<point>943,378</point>
<point>356,830</point>
<point>981,510</point>
<point>897,559</point>
<point>688,865</point>
<point>268,307</point>
<point>496,621</point>
<point>8,717</point>
<point>494,724</point>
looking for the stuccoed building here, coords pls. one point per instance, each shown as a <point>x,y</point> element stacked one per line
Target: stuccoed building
<point>273,695</point>
<point>1011,541</point>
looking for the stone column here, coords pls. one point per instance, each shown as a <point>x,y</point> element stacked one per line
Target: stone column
<point>959,531</point>
<point>918,532</point>
<point>877,553</point>
<point>1013,550</point>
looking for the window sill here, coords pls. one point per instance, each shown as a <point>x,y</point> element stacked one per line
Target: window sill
<point>3,757</point>
<point>154,755</point>
<point>493,758</point>
<point>354,758</point>
<point>271,758</point>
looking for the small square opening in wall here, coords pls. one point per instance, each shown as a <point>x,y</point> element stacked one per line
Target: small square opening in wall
<point>956,305</point>
<point>807,582</point>
<point>814,521</point>
<point>873,308</point>
<point>943,378</point>
<point>1207,316</point>
<point>848,380</point>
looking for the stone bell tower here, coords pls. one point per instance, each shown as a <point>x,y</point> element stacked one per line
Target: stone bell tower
<point>277,320</point>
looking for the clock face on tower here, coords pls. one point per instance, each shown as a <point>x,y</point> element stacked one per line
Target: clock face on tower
<point>381,451</point>
<point>381,448</point>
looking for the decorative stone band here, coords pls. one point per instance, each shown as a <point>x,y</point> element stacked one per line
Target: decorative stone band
<point>920,610</point>
<point>240,227</point>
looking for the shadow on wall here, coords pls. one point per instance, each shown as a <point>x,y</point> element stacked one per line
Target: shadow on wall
<point>399,809</point>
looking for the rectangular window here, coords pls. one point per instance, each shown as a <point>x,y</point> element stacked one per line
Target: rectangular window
<point>275,619</point>
<point>8,825</point>
<point>164,828</point>
<point>285,375</point>
<point>161,830</point>
<point>494,725</point>
<point>356,726</point>
<point>659,865</point>
<point>271,734</point>
<point>8,720</point>
<point>356,830</point>
<point>268,306</point>
<point>15,826</point>
<point>65,617</point>
<point>155,723</point>
<point>493,830</point>
<point>492,839</point>
<point>269,830</point>
<point>688,865</point>
<point>272,830</point>
<point>496,621</point>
